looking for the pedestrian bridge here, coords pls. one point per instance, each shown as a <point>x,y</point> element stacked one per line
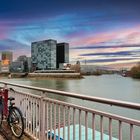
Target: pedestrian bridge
<point>76,117</point>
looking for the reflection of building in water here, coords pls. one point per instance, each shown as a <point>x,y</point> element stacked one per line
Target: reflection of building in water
<point>6,60</point>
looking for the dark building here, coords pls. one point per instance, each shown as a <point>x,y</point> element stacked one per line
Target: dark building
<point>62,55</point>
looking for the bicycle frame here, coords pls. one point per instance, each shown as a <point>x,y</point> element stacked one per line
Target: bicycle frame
<point>4,95</point>
<point>10,112</point>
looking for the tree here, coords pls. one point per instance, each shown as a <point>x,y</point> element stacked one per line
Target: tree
<point>135,71</point>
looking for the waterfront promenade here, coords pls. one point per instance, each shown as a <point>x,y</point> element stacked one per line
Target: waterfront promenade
<point>6,134</point>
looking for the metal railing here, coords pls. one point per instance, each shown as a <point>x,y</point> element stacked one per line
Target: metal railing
<point>48,118</point>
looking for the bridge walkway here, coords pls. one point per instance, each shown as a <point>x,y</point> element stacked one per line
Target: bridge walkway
<point>6,134</point>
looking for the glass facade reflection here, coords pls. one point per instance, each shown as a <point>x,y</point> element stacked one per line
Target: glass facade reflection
<point>47,54</point>
<point>43,54</point>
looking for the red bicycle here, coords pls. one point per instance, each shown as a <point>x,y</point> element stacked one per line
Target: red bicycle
<point>13,114</point>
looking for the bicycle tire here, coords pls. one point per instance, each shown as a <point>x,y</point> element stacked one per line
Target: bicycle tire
<point>16,122</point>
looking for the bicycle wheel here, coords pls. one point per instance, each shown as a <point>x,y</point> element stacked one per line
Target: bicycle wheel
<point>16,122</point>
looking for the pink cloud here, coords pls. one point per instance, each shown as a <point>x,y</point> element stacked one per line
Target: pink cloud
<point>126,36</point>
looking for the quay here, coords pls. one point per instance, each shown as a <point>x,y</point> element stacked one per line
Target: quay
<point>55,75</point>
<point>48,117</point>
<point>45,74</point>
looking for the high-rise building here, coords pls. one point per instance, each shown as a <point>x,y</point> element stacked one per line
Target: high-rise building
<point>62,53</point>
<point>48,54</point>
<point>26,62</point>
<point>6,60</point>
<point>43,54</point>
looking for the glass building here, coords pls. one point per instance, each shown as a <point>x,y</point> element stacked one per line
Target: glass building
<point>47,54</point>
<point>62,53</point>
<point>43,55</point>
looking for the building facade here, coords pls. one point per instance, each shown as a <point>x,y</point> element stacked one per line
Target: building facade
<point>6,60</point>
<point>48,54</point>
<point>16,66</point>
<point>62,53</point>
<point>26,62</point>
<point>22,64</point>
<point>43,54</point>
<point>29,64</point>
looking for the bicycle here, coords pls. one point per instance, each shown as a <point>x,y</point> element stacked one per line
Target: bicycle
<point>13,116</point>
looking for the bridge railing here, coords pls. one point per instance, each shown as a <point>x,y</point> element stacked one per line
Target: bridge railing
<point>48,118</point>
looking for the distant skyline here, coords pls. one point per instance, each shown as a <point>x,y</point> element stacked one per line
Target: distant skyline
<point>100,32</point>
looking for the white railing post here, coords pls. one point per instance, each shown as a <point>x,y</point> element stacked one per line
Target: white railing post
<point>42,117</point>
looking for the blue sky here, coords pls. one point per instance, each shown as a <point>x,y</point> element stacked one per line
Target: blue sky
<point>102,32</point>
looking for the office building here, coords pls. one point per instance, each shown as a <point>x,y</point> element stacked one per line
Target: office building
<point>26,62</point>
<point>43,54</point>
<point>22,64</point>
<point>17,66</point>
<point>48,54</point>
<point>62,53</point>
<point>6,60</point>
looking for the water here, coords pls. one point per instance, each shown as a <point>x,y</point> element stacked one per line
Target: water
<point>106,86</point>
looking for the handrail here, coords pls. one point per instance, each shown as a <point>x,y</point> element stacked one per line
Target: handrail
<point>123,104</point>
<point>101,113</point>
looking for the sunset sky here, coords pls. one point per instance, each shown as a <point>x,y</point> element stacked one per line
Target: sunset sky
<point>100,32</point>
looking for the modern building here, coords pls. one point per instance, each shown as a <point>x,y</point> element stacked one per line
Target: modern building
<point>62,53</point>
<point>47,54</point>
<point>6,60</point>
<point>24,59</point>
<point>22,64</point>
<point>29,64</point>
<point>16,66</point>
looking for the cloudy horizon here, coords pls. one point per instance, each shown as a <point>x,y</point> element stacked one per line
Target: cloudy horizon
<point>100,32</point>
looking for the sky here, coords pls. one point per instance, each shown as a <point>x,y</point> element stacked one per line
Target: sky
<point>100,32</point>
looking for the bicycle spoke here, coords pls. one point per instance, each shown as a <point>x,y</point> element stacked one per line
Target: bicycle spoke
<point>16,122</point>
